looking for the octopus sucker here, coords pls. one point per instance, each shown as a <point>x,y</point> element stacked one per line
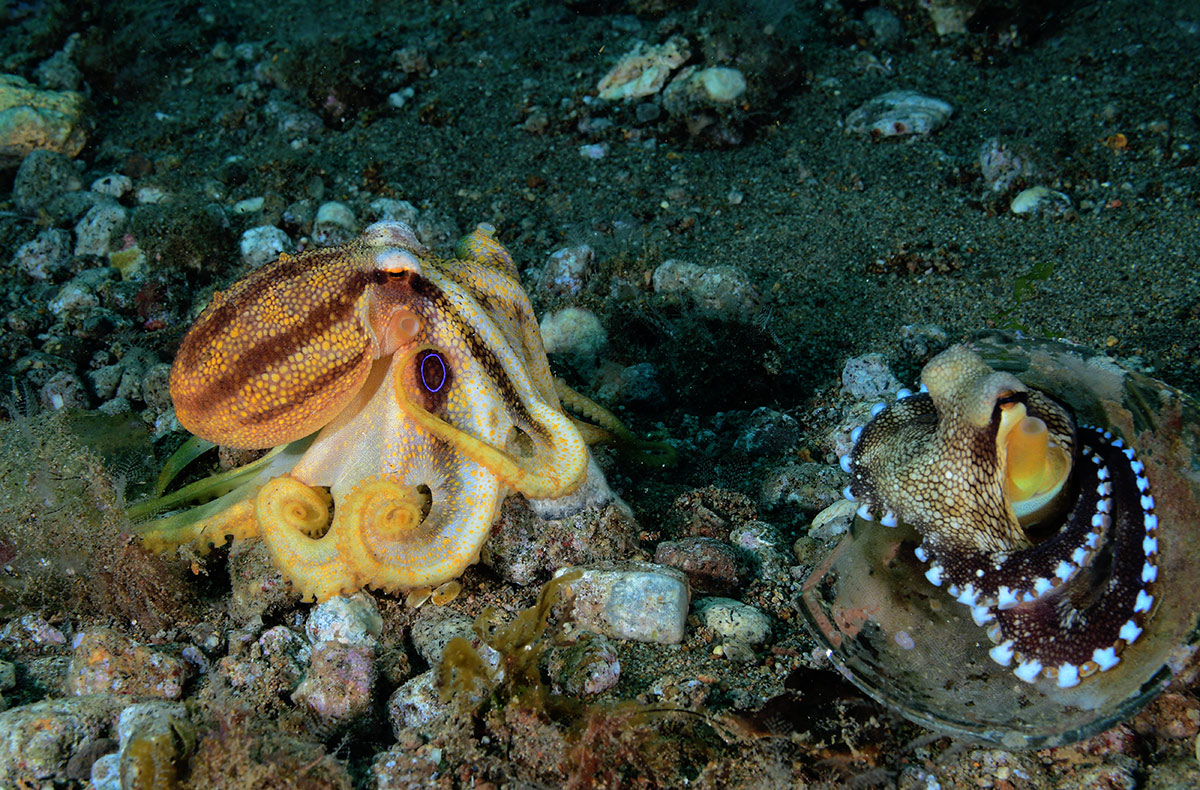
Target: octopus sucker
<point>411,394</point>
<point>1035,494</point>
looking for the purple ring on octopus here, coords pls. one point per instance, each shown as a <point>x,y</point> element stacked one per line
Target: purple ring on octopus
<point>1007,527</point>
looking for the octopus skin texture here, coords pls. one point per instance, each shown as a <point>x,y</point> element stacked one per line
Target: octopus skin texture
<point>1045,529</point>
<point>406,396</point>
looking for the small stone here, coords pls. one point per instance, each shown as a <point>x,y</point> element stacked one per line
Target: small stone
<point>833,522</point>
<point>334,224</point>
<point>99,229</point>
<point>43,176</point>
<point>114,185</point>
<point>566,271</point>
<point>434,627</point>
<point>105,660</point>
<point>632,384</point>
<point>73,301</point>
<point>768,432</point>
<point>64,390</point>
<point>106,772</point>
<point>762,542</point>
<point>573,331</point>
<point>867,377</point>
<point>886,27</point>
<point>638,601</point>
<point>1041,201</point>
<point>348,620</point>
<point>415,705</point>
<point>257,585</point>
<point>263,244</point>
<point>391,210</point>
<point>711,565</point>
<point>277,660</point>
<point>46,255</point>
<point>734,620</point>
<point>722,291</point>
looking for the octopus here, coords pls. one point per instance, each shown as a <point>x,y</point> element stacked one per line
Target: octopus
<point>1050,513</point>
<point>404,396</point>
<point>976,463</point>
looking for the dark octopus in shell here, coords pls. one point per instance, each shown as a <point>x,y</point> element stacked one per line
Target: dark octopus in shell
<point>1021,508</point>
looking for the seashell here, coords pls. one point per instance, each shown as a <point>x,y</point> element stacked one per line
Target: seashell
<point>898,113</point>
<point>906,613</point>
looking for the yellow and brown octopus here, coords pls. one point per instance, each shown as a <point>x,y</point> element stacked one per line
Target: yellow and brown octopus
<point>409,392</point>
<point>1014,501</point>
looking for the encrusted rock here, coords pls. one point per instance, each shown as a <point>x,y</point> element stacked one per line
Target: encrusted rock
<point>105,660</point>
<point>531,539</point>
<point>43,176</point>
<point>276,660</point>
<point>334,224</point>
<point>156,739</point>
<point>33,119</point>
<point>711,565</point>
<point>868,377</point>
<point>257,585</point>
<point>437,625</point>
<point>114,185</point>
<point>764,544</point>
<point>806,487</point>
<point>97,232</point>
<point>768,432</point>
<point>589,666</point>
<point>638,600</point>
<point>340,681</point>
<point>37,741</point>
<point>415,704</point>
<point>643,71</point>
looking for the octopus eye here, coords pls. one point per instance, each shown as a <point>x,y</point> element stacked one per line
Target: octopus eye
<point>433,371</point>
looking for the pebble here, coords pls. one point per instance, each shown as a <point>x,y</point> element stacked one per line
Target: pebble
<point>105,660</point>
<point>768,432</point>
<point>734,620</point>
<point>415,705</point>
<point>436,625</point>
<point>566,271</point>
<point>277,660</point>
<point>334,224</point>
<point>899,113</point>
<point>29,633</point>
<point>33,119</point>
<point>711,565</point>
<point>1001,165</point>
<point>114,185</point>
<point>43,176</point>
<point>638,601</point>
<point>46,255</point>
<point>392,210</point>
<point>64,390</point>
<point>74,300</point>
<point>38,741</point>
<point>694,88</point>
<point>868,377</point>
<point>1041,201</point>
<point>99,229</point>
<point>348,620</point>
<point>573,331</point>
<point>720,291</point>
<point>263,244</point>
<point>587,667</point>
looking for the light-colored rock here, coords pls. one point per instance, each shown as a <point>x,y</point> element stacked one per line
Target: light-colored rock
<point>334,224</point>
<point>734,620</point>
<point>575,331</point>
<point>639,601</point>
<point>644,70</point>
<point>37,740</point>
<point>262,244</point>
<point>347,620</point>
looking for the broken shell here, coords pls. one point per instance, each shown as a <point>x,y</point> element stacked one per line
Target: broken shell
<point>898,113</point>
